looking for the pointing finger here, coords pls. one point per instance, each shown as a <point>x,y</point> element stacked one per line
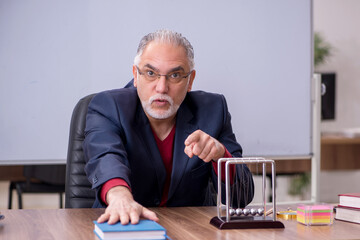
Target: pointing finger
<point>189,150</point>
<point>194,137</point>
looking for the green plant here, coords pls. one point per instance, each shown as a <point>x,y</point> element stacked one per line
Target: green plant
<point>299,184</point>
<point>322,49</point>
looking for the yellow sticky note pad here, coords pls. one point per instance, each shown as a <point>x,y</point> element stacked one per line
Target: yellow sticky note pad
<point>320,214</point>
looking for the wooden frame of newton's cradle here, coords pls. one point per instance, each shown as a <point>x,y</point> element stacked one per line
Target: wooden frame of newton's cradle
<point>245,222</point>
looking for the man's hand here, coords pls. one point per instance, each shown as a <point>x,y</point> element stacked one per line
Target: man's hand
<point>204,146</point>
<point>122,207</point>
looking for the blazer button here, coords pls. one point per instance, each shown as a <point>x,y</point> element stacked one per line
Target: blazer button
<point>95,180</point>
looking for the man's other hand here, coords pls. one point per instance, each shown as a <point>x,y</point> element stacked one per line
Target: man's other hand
<point>204,146</point>
<point>122,207</point>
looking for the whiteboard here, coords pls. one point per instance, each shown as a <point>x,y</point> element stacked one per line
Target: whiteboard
<point>255,52</point>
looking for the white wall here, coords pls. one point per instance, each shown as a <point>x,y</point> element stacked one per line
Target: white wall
<point>52,53</point>
<point>338,21</point>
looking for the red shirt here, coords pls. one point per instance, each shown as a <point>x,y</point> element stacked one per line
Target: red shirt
<point>166,147</point>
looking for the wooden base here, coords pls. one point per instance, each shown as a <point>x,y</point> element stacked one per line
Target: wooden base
<point>246,223</point>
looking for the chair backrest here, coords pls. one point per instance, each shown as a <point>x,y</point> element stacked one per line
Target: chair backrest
<point>78,192</point>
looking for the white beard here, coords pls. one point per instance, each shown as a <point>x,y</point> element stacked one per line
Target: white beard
<point>159,113</point>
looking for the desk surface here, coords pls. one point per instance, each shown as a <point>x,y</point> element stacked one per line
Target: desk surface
<point>181,223</point>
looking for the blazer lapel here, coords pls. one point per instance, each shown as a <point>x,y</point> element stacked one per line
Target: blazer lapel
<point>184,128</point>
<point>145,133</point>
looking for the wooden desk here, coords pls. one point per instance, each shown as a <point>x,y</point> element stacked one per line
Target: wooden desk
<point>181,223</point>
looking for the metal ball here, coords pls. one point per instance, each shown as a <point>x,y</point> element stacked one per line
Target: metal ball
<point>246,211</point>
<point>253,211</point>
<point>238,211</point>
<point>231,211</point>
<point>260,211</point>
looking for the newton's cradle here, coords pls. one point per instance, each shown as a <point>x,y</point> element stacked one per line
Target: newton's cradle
<point>245,218</point>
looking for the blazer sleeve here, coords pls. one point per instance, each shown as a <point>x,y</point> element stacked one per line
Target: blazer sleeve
<point>104,149</point>
<point>243,182</point>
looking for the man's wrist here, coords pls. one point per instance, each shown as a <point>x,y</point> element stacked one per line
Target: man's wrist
<point>110,184</point>
<point>223,154</point>
<point>115,191</point>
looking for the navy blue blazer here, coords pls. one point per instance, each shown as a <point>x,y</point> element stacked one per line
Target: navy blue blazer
<point>119,143</point>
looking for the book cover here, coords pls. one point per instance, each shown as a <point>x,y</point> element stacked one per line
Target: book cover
<point>350,200</point>
<point>145,229</point>
<point>348,214</point>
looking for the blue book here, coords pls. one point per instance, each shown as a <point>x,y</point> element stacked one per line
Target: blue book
<point>145,229</point>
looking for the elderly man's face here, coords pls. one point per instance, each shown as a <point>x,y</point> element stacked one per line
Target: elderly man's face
<point>162,97</point>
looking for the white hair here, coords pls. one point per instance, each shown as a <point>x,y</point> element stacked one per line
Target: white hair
<point>166,36</point>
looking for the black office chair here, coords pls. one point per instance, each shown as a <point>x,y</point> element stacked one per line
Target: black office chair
<point>78,192</point>
<point>39,179</point>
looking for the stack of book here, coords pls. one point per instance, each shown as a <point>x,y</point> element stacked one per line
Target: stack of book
<point>145,229</point>
<point>348,208</point>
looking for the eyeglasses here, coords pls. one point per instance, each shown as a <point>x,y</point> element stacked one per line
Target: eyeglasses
<point>173,77</point>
